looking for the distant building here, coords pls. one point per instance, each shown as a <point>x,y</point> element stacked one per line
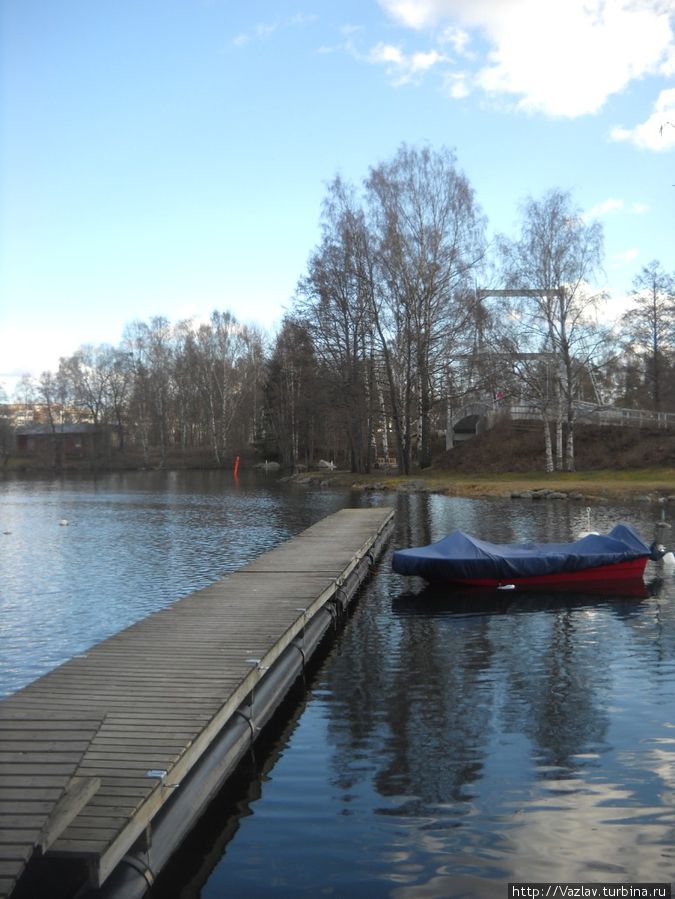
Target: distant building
<point>62,442</point>
<point>20,414</point>
<point>24,414</point>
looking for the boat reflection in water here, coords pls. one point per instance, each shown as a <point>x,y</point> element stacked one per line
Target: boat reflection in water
<point>433,598</point>
<point>444,742</point>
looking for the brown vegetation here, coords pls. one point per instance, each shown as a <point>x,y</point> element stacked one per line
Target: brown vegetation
<point>520,448</point>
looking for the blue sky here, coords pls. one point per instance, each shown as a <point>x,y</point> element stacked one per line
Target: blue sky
<point>170,156</point>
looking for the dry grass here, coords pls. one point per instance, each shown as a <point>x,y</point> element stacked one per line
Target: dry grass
<point>658,480</point>
<point>508,459</point>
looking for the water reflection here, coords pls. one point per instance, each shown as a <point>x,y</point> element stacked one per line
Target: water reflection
<point>448,743</point>
<point>134,543</point>
<point>472,740</point>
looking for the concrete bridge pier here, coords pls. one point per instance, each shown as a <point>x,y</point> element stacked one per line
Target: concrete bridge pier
<point>467,422</point>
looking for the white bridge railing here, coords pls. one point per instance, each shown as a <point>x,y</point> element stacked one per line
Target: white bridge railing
<point>615,415</point>
<point>591,413</point>
<point>602,415</point>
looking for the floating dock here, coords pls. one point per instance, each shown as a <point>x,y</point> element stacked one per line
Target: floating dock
<point>107,761</point>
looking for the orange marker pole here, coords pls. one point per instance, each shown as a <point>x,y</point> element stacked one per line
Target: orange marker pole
<point>236,466</point>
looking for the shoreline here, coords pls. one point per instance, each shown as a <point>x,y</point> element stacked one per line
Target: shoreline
<point>656,485</point>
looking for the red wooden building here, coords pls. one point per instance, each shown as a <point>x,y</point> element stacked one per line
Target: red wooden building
<point>61,442</point>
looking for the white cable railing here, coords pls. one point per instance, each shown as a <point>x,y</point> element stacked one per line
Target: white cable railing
<point>590,413</point>
<point>615,415</point>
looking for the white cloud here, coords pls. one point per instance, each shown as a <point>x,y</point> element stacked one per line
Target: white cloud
<point>302,19</point>
<point>627,255</point>
<point>403,67</point>
<point>264,30</point>
<point>658,131</point>
<point>421,62</point>
<point>413,13</point>
<point>560,57</point>
<point>28,349</point>
<point>457,85</point>
<point>386,53</point>
<point>615,205</point>
<point>458,38</point>
<point>606,207</point>
<point>668,65</point>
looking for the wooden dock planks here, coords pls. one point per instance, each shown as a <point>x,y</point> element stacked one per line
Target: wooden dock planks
<point>39,793</point>
<point>135,713</point>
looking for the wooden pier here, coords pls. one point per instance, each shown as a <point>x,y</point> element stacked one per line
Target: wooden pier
<point>92,753</point>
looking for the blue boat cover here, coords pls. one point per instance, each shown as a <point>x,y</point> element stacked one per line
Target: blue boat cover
<point>461,557</point>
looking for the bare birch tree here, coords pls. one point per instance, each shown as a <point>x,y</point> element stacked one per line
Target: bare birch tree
<point>428,237</point>
<point>554,261</point>
<point>648,328</point>
<point>151,349</point>
<point>292,395</point>
<point>334,302</point>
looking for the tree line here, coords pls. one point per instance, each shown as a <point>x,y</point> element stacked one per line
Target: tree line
<point>405,312</point>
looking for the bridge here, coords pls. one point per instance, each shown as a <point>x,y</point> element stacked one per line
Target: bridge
<point>479,416</point>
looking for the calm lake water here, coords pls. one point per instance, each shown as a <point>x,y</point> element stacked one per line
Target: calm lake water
<point>443,745</point>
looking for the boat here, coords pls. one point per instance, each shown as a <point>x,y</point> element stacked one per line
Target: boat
<point>459,559</point>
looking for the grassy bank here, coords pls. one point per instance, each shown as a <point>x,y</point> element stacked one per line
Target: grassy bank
<point>509,459</point>
<point>656,482</point>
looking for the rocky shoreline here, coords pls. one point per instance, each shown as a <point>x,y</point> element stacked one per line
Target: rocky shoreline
<point>658,492</point>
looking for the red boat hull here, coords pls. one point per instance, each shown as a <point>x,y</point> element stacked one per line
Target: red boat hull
<point>621,572</point>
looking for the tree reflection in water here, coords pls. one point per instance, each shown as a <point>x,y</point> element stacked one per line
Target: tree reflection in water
<point>495,716</point>
<point>452,742</point>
